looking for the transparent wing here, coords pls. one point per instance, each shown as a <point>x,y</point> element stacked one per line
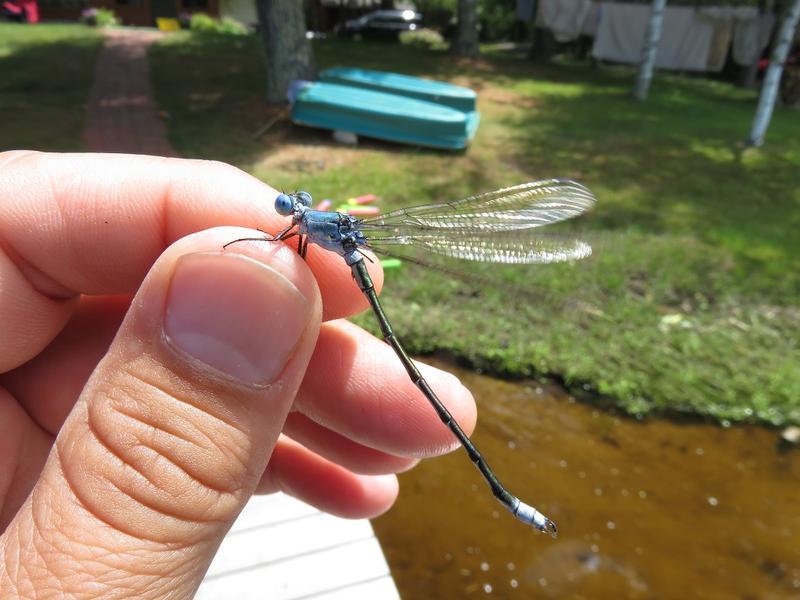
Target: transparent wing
<point>500,226</point>
<point>522,246</point>
<point>520,207</point>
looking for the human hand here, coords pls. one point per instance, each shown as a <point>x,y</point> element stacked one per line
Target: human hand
<point>146,375</point>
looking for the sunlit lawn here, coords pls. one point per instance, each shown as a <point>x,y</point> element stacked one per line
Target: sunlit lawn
<point>45,74</point>
<point>690,302</point>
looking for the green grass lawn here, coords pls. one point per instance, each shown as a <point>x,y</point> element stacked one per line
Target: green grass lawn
<point>45,74</point>
<point>690,302</point>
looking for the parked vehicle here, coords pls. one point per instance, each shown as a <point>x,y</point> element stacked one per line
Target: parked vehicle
<point>382,24</point>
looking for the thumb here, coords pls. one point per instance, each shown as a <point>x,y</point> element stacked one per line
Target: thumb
<point>174,428</point>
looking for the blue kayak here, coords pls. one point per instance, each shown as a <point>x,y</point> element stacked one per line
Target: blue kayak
<point>438,92</point>
<point>382,115</point>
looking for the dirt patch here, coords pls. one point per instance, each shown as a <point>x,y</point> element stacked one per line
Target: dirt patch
<point>310,158</point>
<point>506,98</point>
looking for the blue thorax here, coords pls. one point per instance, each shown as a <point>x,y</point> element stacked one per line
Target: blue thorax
<point>334,231</point>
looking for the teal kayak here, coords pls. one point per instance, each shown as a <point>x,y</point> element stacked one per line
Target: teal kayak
<point>438,92</point>
<point>382,115</point>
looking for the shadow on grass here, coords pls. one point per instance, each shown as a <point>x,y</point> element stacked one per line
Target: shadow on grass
<point>45,76</point>
<point>669,166</point>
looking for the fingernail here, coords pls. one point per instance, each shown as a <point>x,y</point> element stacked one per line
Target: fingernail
<point>235,314</point>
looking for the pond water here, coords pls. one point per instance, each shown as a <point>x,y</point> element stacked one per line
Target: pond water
<point>645,509</point>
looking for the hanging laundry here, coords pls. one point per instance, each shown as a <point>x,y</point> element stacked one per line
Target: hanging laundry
<point>565,18</point>
<point>685,39</point>
<point>592,20</point>
<point>750,38</point>
<point>750,31</point>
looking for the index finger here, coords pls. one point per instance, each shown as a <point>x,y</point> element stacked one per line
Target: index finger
<point>93,224</point>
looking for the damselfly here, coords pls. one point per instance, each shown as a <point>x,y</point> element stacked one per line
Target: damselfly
<point>497,227</point>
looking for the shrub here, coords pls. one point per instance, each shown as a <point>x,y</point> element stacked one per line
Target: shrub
<point>231,27</point>
<point>99,17</point>
<point>423,38</point>
<point>203,23</point>
<point>497,18</point>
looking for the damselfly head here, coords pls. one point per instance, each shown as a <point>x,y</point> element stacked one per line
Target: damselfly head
<point>284,205</point>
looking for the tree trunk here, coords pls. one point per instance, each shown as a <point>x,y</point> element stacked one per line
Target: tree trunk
<point>649,51</point>
<point>543,44</point>
<point>769,90</point>
<point>747,74</point>
<point>466,43</point>
<point>283,28</point>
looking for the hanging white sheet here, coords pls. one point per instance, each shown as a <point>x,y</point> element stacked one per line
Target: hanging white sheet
<point>685,39</point>
<point>751,31</point>
<point>750,37</point>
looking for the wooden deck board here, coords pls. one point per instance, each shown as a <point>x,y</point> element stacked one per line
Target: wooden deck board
<point>281,548</point>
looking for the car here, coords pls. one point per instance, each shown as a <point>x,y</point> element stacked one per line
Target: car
<point>382,24</point>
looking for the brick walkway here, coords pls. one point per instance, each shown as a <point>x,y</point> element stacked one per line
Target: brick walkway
<point>123,116</point>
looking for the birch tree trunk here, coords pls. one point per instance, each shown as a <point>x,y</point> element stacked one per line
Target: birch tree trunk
<point>466,43</point>
<point>651,39</point>
<point>772,80</point>
<point>283,27</point>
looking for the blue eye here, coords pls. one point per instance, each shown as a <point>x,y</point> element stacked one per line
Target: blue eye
<point>304,198</point>
<point>284,205</point>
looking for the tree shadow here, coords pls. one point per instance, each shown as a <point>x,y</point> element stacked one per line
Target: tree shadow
<point>44,86</point>
<point>674,165</point>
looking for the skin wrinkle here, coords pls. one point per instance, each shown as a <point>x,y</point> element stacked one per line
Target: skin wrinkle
<point>62,578</point>
<point>43,550</point>
<point>25,266</point>
<point>193,412</point>
<point>184,402</point>
<point>129,469</point>
<point>91,553</point>
<point>140,536</point>
<point>34,276</point>
<point>163,427</point>
<point>56,302</point>
<point>106,561</point>
<point>164,546</point>
<point>127,466</point>
<point>9,573</point>
<point>115,579</point>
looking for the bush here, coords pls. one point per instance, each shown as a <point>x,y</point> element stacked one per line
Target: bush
<point>231,26</point>
<point>423,38</point>
<point>497,18</point>
<point>99,17</point>
<point>203,23</point>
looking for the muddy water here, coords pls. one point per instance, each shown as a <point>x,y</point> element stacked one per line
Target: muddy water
<point>652,509</point>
